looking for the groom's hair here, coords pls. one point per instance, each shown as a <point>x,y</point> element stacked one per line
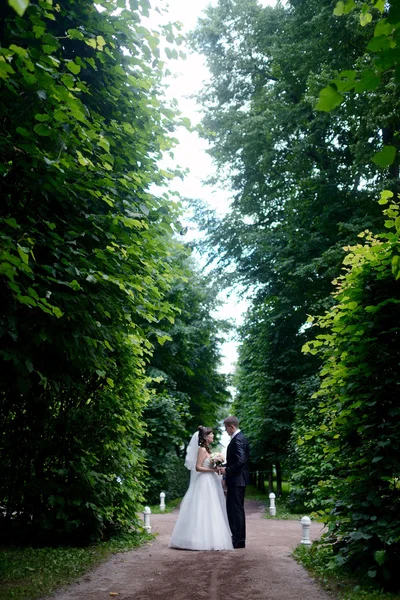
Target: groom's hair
<point>232,421</point>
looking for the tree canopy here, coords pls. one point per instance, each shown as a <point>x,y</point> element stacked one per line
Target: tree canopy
<point>294,172</point>
<point>305,181</point>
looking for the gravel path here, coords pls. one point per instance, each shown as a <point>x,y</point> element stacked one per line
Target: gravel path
<point>264,570</point>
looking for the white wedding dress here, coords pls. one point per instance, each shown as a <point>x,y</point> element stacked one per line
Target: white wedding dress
<point>202,521</point>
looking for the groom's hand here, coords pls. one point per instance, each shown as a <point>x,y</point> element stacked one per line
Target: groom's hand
<point>222,471</point>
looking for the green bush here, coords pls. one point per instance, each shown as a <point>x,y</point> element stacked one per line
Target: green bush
<point>177,477</point>
<point>358,405</point>
<point>172,477</point>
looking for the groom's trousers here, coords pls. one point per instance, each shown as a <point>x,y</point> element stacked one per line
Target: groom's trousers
<point>236,516</point>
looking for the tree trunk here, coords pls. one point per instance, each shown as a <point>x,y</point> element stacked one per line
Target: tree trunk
<point>253,478</point>
<point>278,479</point>
<point>261,479</point>
<point>270,480</point>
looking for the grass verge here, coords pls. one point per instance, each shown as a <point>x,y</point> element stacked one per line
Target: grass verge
<point>170,505</point>
<point>282,510</point>
<point>30,573</point>
<point>343,585</point>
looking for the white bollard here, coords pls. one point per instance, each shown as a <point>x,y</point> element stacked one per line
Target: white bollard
<point>146,518</point>
<point>272,508</point>
<point>305,530</point>
<point>162,501</point>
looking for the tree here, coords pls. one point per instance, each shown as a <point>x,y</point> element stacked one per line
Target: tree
<point>188,389</point>
<point>295,176</point>
<point>266,386</point>
<point>355,418</point>
<point>358,408</point>
<point>85,263</point>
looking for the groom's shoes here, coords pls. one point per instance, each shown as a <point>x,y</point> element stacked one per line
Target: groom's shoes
<point>239,545</point>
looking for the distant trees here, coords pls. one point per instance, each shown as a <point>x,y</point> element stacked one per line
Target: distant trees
<point>187,389</point>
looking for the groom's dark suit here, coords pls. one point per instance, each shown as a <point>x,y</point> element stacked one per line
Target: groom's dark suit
<point>237,477</point>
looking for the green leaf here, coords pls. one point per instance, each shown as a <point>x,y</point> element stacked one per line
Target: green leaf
<point>18,50</point>
<point>377,459</point>
<point>389,224</point>
<point>349,6</point>
<point>27,300</point>
<point>385,157</point>
<point>104,144</point>
<point>42,130</point>
<point>22,131</point>
<point>342,8</point>
<point>33,293</point>
<point>5,68</point>
<point>73,67</point>
<point>380,557</point>
<point>339,9</point>
<point>396,266</point>
<point>12,223</point>
<point>57,312</point>
<point>81,159</point>
<point>380,5</point>
<point>161,339</point>
<point>38,30</point>
<point>381,42</point>
<point>75,34</point>
<point>369,81</point>
<point>382,28</point>
<point>385,195</point>
<point>19,6</point>
<point>42,117</point>
<point>100,42</point>
<point>365,18</point>
<point>329,98</point>
<point>24,254</point>
<point>74,285</point>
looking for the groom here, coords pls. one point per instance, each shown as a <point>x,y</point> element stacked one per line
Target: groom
<point>236,474</point>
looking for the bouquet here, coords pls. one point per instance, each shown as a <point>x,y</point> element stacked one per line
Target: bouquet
<point>216,459</point>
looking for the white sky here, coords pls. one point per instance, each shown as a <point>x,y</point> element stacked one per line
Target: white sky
<point>191,152</point>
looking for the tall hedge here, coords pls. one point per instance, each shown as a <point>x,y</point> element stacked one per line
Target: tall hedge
<point>85,262</point>
<point>357,432</point>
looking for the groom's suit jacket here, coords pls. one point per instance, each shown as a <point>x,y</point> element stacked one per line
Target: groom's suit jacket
<point>237,461</point>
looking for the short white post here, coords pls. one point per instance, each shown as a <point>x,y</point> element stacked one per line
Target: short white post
<point>272,508</point>
<point>162,501</point>
<point>146,518</point>
<point>305,530</point>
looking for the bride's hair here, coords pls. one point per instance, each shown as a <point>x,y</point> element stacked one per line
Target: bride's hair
<point>203,433</point>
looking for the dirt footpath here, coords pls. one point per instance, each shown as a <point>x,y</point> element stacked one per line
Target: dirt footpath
<point>263,570</point>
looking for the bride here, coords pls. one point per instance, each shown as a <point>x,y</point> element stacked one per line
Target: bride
<point>202,521</point>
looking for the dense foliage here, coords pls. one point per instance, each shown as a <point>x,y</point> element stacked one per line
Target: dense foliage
<point>188,390</point>
<point>357,430</point>
<point>295,176</point>
<point>86,263</point>
<point>354,432</point>
<point>305,183</point>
